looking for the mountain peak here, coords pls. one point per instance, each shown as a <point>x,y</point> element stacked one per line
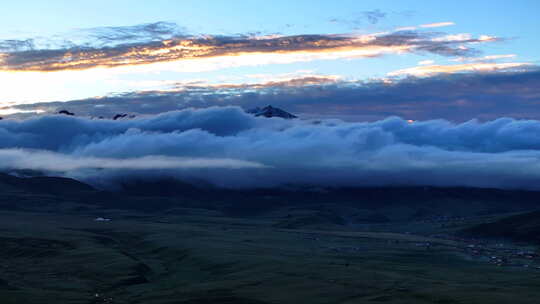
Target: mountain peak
<point>66,112</point>
<point>270,111</point>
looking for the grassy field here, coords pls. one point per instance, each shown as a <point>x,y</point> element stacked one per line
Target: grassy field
<point>199,256</point>
<point>169,243</point>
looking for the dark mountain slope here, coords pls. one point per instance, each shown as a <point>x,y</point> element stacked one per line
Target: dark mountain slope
<point>270,111</point>
<point>43,184</point>
<point>523,227</point>
<point>335,205</point>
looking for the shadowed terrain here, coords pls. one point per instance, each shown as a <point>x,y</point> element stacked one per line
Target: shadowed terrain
<point>62,241</point>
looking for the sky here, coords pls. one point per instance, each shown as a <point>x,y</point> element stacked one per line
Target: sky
<point>386,92</point>
<point>347,60</point>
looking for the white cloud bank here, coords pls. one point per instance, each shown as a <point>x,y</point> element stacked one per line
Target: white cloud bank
<point>227,147</point>
<point>51,161</point>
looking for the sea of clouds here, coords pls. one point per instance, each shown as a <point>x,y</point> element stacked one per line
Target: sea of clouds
<point>230,148</point>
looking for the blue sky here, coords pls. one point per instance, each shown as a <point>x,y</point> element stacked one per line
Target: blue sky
<point>509,28</point>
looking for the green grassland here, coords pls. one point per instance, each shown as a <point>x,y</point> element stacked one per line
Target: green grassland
<point>48,258</point>
<point>164,250</point>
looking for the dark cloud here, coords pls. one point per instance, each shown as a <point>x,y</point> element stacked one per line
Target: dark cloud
<point>115,35</point>
<point>97,37</point>
<point>374,16</point>
<point>14,45</point>
<point>163,42</point>
<point>230,148</point>
<point>455,97</point>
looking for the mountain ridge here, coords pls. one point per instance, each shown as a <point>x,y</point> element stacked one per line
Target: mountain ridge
<point>270,111</point>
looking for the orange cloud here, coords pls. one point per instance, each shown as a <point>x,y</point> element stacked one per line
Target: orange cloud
<point>238,50</point>
<point>268,81</point>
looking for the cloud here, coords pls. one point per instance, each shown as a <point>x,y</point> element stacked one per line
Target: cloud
<point>405,28</point>
<point>374,16</point>
<point>230,148</point>
<point>438,24</point>
<point>489,58</point>
<point>427,70</point>
<point>114,35</point>
<point>426,62</point>
<point>264,81</point>
<point>97,37</point>
<point>57,162</point>
<point>456,97</point>
<point>163,43</point>
<point>14,45</point>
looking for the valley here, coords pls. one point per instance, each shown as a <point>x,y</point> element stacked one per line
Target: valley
<point>90,246</point>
